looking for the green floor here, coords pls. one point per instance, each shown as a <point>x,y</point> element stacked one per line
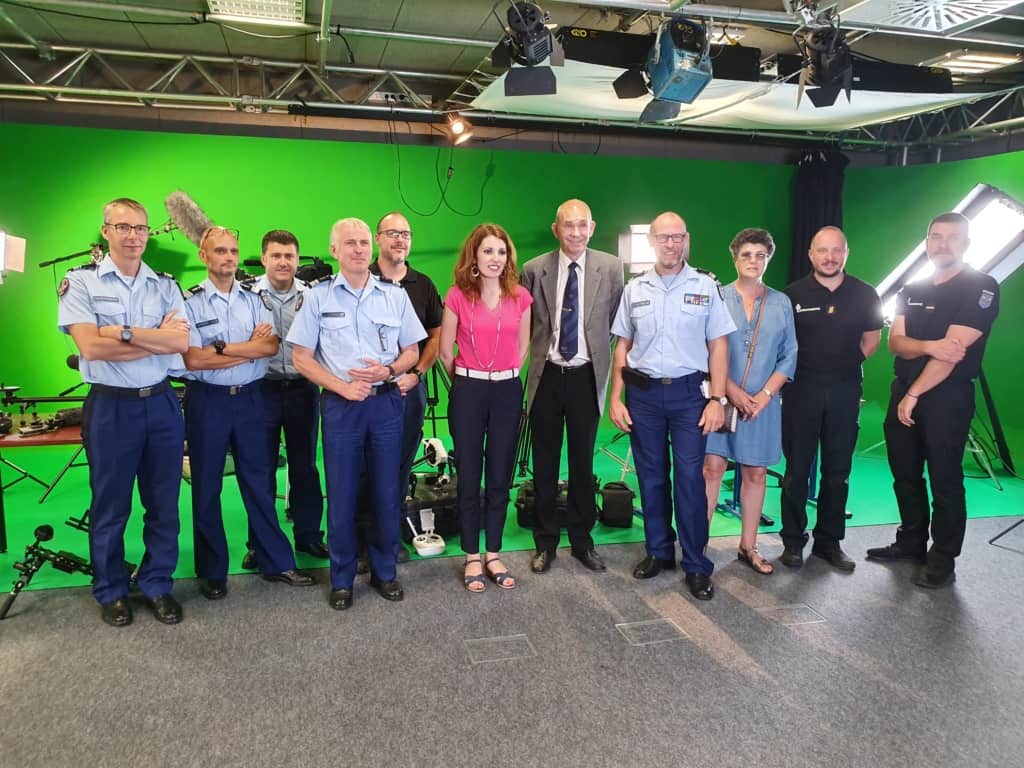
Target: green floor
<point>871,503</point>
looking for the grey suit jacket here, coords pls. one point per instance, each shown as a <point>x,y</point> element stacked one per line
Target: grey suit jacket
<point>602,289</point>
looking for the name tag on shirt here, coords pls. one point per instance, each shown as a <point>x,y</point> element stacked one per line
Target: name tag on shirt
<point>332,314</point>
<point>207,322</point>
<point>640,303</point>
<point>106,298</point>
<point>697,299</point>
<point>800,309</point>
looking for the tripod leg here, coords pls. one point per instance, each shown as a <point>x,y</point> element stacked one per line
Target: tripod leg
<point>19,585</point>
<point>61,474</point>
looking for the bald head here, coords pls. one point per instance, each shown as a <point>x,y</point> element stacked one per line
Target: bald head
<point>573,227</point>
<point>828,252</point>
<point>352,246</point>
<point>671,242</point>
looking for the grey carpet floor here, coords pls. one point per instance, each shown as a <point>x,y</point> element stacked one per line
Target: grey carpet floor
<point>802,668</point>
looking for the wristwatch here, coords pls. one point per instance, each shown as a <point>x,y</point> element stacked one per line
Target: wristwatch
<point>126,334</point>
<point>416,372</point>
<point>391,371</point>
<point>218,346</point>
<point>723,400</point>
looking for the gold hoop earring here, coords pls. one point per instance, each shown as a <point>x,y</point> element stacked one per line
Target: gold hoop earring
<point>474,271</point>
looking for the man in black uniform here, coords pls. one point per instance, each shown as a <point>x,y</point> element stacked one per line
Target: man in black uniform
<point>938,337</point>
<point>838,326</point>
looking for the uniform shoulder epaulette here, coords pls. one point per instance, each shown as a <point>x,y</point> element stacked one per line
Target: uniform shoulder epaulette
<point>707,272</point>
<point>195,290</point>
<point>168,276</point>
<point>250,286</point>
<point>90,265</point>
<point>319,281</point>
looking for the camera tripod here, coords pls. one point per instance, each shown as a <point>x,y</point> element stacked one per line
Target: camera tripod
<point>36,556</point>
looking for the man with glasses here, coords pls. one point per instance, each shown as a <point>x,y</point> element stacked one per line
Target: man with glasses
<point>356,336</point>
<point>290,401</point>
<point>129,325</point>
<point>838,326</point>
<point>576,291</point>
<point>231,339</point>
<point>394,243</point>
<point>671,326</point>
<point>938,336</point>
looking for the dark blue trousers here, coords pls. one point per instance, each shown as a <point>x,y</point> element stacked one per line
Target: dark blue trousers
<point>293,406</point>
<point>483,417</point>
<point>216,420</point>
<point>665,419</point>
<point>127,438</point>
<point>369,430</point>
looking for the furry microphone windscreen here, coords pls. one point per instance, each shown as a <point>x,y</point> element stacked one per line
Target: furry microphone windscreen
<point>187,215</point>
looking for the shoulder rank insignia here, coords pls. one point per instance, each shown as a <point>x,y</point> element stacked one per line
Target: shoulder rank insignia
<point>712,275</point>
<point>195,290</point>
<point>64,285</point>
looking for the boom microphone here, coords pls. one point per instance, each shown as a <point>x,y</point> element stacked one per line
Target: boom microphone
<point>187,215</point>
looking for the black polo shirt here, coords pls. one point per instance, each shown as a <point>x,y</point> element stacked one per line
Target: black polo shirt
<point>422,294</point>
<point>830,324</point>
<point>970,298</point>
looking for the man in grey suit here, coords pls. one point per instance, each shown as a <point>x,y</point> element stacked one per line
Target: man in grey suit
<point>576,292</point>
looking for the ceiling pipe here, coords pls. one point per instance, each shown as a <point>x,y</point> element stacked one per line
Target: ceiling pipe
<point>24,34</point>
<point>324,38</point>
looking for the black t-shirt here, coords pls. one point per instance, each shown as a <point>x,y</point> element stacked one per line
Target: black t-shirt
<point>830,324</point>
<point>971,298</point>
<point>422,294</point>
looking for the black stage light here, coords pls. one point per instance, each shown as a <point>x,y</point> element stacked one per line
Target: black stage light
<point>827,62</point>
<point>528,43</point>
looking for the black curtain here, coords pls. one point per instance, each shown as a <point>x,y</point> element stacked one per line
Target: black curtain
<point>817,203</point>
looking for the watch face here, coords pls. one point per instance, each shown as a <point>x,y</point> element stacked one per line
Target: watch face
<point>126,334</point>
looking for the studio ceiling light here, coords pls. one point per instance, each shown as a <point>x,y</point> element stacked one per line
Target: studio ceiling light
<point>260,10</point>
<point>529,42</point>
<point>459,128</point>
<point>967,62</point>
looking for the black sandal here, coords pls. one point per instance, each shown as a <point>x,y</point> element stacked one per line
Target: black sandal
<point>477,578</point>
<point>503,579</point>
<point>755,560</point>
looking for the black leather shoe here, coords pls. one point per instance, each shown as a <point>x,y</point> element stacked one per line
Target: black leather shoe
<point>166,609</point>
<point>836,558</point>
<point>249,561</point>
<point>316,549</point>
<point>389,590</point>
<point>934,578</point>
<point>403,553</point>
<point>541,562</point>
<point>793,558</point>
<point>292,578</point>
<point>213,590</point>
<point>896,551</point>
<point>116,613</point>
<point>650,567</point>
<point>590,560</point>
<point>341,599</point>
<point>700,586</point>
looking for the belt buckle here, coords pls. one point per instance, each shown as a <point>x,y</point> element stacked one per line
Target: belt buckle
<point>233,390</point>
<point>666,381</point>
<point>490,376</point>
<point>145,392</point>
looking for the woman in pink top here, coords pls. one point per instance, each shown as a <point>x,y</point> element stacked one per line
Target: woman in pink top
<point>487,317</point>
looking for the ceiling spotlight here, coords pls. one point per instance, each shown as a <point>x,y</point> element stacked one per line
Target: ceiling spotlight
<point>677,70</point>
<point>528,43</point>
<point>459,129</point>
<point>827,62</point>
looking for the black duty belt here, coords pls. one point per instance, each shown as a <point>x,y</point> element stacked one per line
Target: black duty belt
<point>131,392</point>
<point>223,389</point>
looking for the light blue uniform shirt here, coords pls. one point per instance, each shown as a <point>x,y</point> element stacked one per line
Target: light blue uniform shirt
<point>284,307</point>
<point>670,327</point>
<point>99,294</point>
<point>343,325</point>
<point>230,317</point>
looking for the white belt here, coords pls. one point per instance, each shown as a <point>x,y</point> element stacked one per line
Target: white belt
<point>511,373</point>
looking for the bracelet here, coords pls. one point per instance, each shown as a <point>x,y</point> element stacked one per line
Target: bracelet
<point>391,371</point>
<point>911,394</point>
<point>767,392</point>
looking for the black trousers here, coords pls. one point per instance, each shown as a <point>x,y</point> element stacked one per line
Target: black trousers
<point>942,421</point>
<point>483,417</point>
<point>818,411</point>
<point>565,398</point>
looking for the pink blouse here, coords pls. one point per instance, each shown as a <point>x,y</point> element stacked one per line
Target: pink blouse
<point>488,339</point>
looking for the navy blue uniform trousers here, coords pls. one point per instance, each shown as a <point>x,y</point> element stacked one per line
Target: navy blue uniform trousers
<point>216,420</point>
<point>483,417</point>
<point>293,405</point>
<point>355,432</point>
<point>665,419</point>
<point>125,438</point>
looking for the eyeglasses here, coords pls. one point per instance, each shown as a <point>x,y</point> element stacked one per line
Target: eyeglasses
<point>141,230</point>
<point>675,238</point>
<point>211,230</point>
<point>758,256</point>
<point>394,234</point>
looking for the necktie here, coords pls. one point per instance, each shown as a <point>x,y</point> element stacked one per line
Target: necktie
<point>568,341</point>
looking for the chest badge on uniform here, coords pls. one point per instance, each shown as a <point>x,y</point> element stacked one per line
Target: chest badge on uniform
<point>298,302</point>
<point>266,301</point>
<point>697,299</point>
<point>831,309</point>
<point>984,301</point>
